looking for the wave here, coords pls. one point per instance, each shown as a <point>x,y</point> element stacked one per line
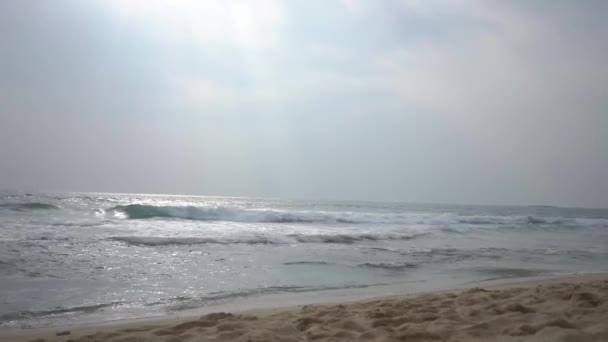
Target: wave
<point>494,254</point>
<point>508,272</point>
<point>185,303</point>
<point>390,267</point>
<point>306,263</point>
<point>48,238</point>
<point>141,211</point>
<point>28,206</point>
<point>80,224</point>
<point>260,240</point>
<point>455,255</point>
<point>236,214</point>
<point>509,220</point>
<point>20,315</point>
<point>173,241</point>
<point>349,239</point>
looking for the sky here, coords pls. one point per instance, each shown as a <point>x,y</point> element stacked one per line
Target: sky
<point>486,102</point>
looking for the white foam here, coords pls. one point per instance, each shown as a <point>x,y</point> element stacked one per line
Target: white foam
<point>237,214</point>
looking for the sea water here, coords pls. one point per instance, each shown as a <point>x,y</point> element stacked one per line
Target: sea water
<point>92,257</point>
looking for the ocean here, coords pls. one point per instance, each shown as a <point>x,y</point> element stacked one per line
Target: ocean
<point>69,258</point>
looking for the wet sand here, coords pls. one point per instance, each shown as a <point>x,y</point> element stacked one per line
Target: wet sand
<point>563,309</point>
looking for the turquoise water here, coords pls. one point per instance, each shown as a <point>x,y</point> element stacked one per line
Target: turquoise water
<point>82,257</point>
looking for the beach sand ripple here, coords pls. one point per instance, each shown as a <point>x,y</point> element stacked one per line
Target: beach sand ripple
<point>563,311</point>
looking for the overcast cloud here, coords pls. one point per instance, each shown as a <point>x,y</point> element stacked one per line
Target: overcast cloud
<point>499,102</point>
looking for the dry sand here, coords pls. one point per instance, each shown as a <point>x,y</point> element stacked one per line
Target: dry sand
<point>567,309</point>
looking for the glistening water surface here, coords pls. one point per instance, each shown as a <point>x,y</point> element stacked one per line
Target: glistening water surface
<point>81,257</point>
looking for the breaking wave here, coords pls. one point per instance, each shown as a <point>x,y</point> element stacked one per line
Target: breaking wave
<point>140,211</point>
<point>236,214</point>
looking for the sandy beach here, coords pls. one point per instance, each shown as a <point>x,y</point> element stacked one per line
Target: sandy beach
<point>563,309</point>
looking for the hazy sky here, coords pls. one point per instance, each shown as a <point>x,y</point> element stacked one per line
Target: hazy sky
<point>502,102</point>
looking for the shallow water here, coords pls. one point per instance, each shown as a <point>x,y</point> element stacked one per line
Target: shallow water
<point>80,257</point>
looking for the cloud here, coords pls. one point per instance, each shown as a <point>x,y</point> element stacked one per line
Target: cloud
<point>204,92</point>
<point>523,62</point>
<point>237,23</point>
<point>465,101</point>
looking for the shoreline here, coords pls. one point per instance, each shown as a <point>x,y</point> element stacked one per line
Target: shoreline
<point>240,318</point>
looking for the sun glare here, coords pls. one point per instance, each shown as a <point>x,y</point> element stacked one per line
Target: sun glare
<point>234,23</point>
